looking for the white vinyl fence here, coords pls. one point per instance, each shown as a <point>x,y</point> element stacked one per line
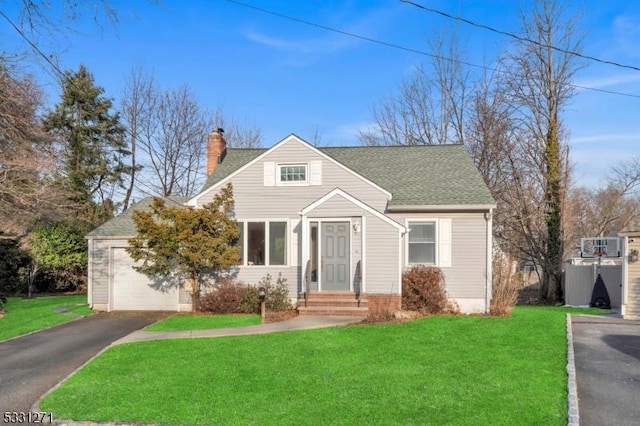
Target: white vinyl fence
<point>579,280</point>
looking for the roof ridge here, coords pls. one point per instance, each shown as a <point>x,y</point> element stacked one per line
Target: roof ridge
<point>392,146</point>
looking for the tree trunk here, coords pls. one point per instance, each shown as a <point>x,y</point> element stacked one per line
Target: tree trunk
<point>195,293</point>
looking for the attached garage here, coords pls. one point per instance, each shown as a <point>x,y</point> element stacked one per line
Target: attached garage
<point>133,291</point>
<point>113,284</point>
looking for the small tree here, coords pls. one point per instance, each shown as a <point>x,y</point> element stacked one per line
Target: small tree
<point>193,243</point>
<point>61,250</point>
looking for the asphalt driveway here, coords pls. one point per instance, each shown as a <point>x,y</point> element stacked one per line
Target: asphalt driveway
<point>33,364</point>
<point>607,359</point>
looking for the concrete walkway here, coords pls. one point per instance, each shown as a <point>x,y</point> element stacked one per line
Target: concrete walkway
<point>607,366</point>
<point>297,323</point>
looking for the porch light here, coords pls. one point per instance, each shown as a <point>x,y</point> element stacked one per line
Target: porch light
<point>356,226</point>
<point>633,255</point>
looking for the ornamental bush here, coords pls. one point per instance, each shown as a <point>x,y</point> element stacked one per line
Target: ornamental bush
<point>225,298</point>
<point>233,297</point>
<point>423,290</point>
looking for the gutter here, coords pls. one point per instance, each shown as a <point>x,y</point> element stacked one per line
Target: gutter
<point>440,207</point>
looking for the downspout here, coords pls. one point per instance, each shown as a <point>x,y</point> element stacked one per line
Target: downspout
<point>489,281</point>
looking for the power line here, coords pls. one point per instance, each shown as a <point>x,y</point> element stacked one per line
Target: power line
<point>517,37</point>
<point>407,49</point>
<point>32,44</point>
<point>62,74</point>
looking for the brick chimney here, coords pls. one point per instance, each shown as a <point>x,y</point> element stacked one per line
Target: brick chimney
<point>216,149</point>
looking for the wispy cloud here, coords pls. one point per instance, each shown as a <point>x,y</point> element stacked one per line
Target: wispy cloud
<point>606,138</point>
<point>627,30</point>
<point>307,46</point>
<point>610,80</point>
<point>366,23</point>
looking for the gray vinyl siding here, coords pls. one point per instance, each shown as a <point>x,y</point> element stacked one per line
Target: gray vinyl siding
<point>382,274</point>
<point>466,278</point>
<point>254,199</point>
<point>336,207</point>
<point>100,271</point>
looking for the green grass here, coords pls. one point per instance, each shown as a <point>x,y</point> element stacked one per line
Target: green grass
<point>203,322</point>
<point>465,370</point>
<point>26,315</point>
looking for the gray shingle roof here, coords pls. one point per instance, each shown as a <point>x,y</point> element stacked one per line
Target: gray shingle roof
<point>122,225</point>
<point>418,175</point>
<point>431,175</point>
<point>414,175</point>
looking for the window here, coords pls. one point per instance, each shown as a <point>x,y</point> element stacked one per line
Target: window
<point>255,243</point>
<point>422,243</point>
<point>292,173</point>
<point>262,241</point>
<point>277,243</point>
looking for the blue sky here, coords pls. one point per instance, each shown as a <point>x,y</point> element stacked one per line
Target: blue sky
<point>286,77</point>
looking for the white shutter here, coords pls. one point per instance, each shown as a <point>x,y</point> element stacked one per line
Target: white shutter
<point>269,173</point>
<point>316,173</point>
<point>444,243</point>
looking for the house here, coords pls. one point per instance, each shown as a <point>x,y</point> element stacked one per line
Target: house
<point>630,237</point>
<point>339,223</point>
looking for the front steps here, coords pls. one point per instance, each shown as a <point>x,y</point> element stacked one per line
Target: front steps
<point>332,304</point>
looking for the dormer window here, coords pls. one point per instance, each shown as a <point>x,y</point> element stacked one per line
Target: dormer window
<point>292,174</point>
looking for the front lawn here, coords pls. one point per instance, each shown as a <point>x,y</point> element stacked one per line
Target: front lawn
<point>203,322</point>
<point>465,370</point>
<point>26,315</point>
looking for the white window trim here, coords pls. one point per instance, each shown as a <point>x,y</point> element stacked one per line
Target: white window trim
<point>437,238</point>
<point>320,221</point>
<point>267,248</point>
<point>279,167</point>
<point>443,249</point>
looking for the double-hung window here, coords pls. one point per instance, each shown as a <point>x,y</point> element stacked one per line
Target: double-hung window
<point>422,243</point>
<point>263,243</point>
<point>292,174</point>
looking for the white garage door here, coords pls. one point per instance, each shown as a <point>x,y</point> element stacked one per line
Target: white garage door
<point>131,289</point>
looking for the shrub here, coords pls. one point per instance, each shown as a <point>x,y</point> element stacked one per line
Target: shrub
<point>276,300</point>
<point>423,290</point>
<point>231,297</point>
<point>505,286</point>
<point>226,297</point>
<point>379,314</point>
<point>12,260</point>
<point>61,250</point>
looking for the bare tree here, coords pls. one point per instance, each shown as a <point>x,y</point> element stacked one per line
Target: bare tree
<point>431,106</point>
<point>172,139</point>
<point>237,134</point>
<point>601,212</point>
<point>540,88</point>
<point>167,132</point>
<point>29,188</point>
<point>136,104</point>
